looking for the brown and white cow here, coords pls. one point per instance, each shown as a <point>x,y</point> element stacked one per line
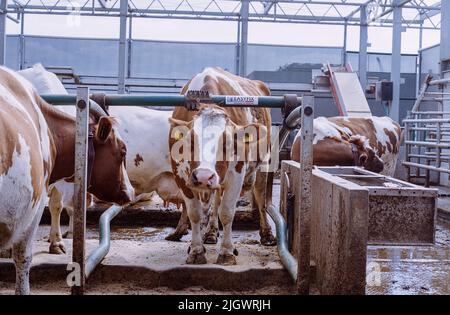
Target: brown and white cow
<point>216,152</point>
<point>37,147</point>
<point>144,131</point>
<point>372,143</point>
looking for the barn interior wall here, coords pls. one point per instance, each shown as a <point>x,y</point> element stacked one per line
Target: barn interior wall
<point>179,60</point>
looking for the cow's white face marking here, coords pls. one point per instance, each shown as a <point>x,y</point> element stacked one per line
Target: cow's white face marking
<point>183,170</point>
<point>208,127</point>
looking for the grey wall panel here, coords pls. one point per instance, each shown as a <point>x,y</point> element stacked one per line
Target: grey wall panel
<point>85,56</point>
<point>179,60</point>
<point>382,62</point>
<point>269,57</point>
<point>431,60</point>
<point>12,52</point>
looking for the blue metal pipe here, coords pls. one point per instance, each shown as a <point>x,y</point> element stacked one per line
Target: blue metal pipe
<point>102,250</point>
<point>174,100</point>
<point>289,262</point>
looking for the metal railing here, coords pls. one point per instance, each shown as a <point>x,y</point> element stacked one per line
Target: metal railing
<point>427,133</point>
<point>427,143</point>
<point>303,111</point>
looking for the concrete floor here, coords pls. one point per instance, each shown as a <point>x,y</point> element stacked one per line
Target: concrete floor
<point>142,262</point>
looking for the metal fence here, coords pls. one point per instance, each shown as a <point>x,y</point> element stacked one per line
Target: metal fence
<point>427,133</point>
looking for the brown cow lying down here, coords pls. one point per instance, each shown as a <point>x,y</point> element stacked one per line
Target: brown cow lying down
<point>37,147</point>
<point>213,157</point>
<point>372,143</point>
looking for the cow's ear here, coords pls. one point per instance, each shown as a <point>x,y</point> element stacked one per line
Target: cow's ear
<point>104,129</point>
<point>363,159</point>
<point>253,132</point>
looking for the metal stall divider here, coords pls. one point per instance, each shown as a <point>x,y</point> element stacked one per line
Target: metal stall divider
<point>299,271</point>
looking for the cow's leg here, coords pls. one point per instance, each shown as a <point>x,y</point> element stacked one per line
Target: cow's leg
<point>263,198</point>
<point>197,252</point>
<point>227,209</point>
<point>22,256</point>
<point>182,227</point>
<point>22,253</point>
<point>55,206</point>
<point>212,230</point>
<point>69,232</point>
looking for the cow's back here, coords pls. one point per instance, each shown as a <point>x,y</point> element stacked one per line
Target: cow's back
<point>145,132</point>
<point>25,155</point>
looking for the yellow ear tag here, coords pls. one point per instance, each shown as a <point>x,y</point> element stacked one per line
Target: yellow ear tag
<point>248,138</point>
<point>178,135</point>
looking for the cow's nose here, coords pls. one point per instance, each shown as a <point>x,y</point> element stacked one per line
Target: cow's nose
<point>204,177</point>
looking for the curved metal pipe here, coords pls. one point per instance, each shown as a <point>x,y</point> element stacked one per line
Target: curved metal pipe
<point>289,124</point>
<point>102,250</point>
<point>96,110</point>
<point>289,262</point>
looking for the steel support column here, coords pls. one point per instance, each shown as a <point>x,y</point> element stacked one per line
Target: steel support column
<point>122,46</point>
<point>22,42</point>
<point>396,61</point>
<point>244,38</point>
<point>344,45</point>
<point>363,35</point>
<point>3,6</point>
<point>445,35</point>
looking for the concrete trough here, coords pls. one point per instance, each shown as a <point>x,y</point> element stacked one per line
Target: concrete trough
<point>400,213</point>
<point>351,209</point>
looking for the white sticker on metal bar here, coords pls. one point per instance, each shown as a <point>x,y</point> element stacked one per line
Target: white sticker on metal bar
<point>241,100</point>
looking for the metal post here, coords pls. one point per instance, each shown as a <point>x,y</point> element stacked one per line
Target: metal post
<point>129,44</point>
<point>81,150</point>
<point>244,38</point>
<point>304,217</point>
<point>344,48</point>
<point>396,61</point>
<point>238,47</point>
<point>363,35</point>
<point>22,41</point>
<point>3,7</point>
<point>419,60</point>
<point>122,46</point>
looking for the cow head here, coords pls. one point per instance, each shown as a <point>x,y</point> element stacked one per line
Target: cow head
<point>204,147</point>
<point>364,155</point>
<point>109,180</point>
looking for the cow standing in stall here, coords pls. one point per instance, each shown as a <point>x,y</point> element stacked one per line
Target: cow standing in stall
<point>37,148</point>
<point>217,152</point>
<point>144,131</point>
<point>372,143</point>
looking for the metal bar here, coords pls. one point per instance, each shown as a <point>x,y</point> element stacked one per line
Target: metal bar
<point>22,41</point>
<point>100,252</point>
<point>81,150</point>
<point>344,46</point>
<point>289,262</point>
<point>427,120</point>
<point>174,100</point>
<point>363,35</point>
<point>439,82</point>
<point>122,46</point>
<point>428,144</point>
<point>3,13</point>
<point>432,168</point>
<point>244,38</point>
<point>304,191</point>
<point>396,60</point>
